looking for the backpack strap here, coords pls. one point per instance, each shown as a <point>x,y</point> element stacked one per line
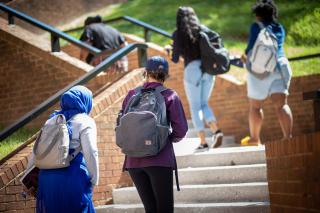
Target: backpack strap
<point>158,90</point>
<point>176,174</point>
<point>138,89</point>
<point>75,152</point>
<point>137,92</point>
<point>260,24</point>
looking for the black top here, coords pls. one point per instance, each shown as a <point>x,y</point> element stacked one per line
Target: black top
<point>177,51</point>
<point>102,37</point>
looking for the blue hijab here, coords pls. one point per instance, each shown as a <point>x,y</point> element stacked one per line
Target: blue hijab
<point>76,100</point>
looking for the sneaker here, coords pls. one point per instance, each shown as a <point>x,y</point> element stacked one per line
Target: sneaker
<point>247,141</point>
<point>202,147</point>
<point>217,139</point>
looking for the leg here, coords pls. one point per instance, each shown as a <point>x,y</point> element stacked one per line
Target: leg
<point>162,185</point>
<point>284,114</point>
<point>206,91</point>
<point>207,85</point>
<point>142,182</point>
<point>193,96</point>
<point>255,120</point>
<point>202,136</point>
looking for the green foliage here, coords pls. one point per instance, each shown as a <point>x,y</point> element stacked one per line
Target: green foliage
<point>232,19</point>
<point>11,143</point>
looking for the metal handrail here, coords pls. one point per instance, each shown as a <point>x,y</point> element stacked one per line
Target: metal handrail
<point>152,28</point>
<point>82,80</point>
<point>55,33</point>
<point>298,58</point>
<point>147,27</point>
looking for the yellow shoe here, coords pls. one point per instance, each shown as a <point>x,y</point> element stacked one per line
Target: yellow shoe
<point>246,141</point>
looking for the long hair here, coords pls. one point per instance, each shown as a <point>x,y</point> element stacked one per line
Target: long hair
<point>188,30</point>
<point>267,10</point>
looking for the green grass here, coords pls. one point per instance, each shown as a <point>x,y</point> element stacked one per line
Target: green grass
<point>11,143</point>
<point>232,19</point>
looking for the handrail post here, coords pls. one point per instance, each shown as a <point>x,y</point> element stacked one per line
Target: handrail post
<point>142,57</point>
<point>147,35</point>
<point>315,97</point>
<point>10,19</point>
<point>55,44</point>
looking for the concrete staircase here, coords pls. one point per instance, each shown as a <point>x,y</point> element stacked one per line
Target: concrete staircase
<point>230,179</point>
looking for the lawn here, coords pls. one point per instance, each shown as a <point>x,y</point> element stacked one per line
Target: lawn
<point>15,140</point>
<point>301,19</point>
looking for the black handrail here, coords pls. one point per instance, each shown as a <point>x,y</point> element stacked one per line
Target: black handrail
<point>147,27</point>
<point>142,56</point>
<point>298,58</point>
<point>55,33</point>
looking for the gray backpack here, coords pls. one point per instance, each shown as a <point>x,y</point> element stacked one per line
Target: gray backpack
<point>51,149</point>
<point>263,57</point>
<point>142,128</point>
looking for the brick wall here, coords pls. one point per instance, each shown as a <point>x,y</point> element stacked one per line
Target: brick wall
<point>293,169</point>
<point>57,12</point>
<point>30,73</point>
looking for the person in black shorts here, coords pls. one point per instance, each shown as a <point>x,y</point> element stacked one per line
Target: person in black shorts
<point>105,38</point>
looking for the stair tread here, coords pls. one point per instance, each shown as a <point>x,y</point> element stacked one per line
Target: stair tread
<point>200,186</point>
<point>231,204</point>
<point>222,167</point>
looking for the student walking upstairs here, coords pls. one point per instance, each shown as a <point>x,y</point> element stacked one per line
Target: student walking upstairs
<point>151,169</point>
<point>70,189</point>
<point>269,71</point>
<point>198,84</point>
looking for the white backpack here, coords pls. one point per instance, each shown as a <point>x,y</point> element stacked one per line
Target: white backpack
<point>263,58</point>
<point>51,149</point>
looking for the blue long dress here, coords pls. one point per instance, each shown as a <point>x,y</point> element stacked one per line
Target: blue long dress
<point>66,190</point>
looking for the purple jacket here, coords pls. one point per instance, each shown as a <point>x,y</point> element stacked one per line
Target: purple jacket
<point>178,122</point>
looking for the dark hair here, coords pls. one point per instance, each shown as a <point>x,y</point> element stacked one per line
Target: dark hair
<point>266,10</point>
<point>188,30</point>
<point>92,20</point>
<point>159,76</point>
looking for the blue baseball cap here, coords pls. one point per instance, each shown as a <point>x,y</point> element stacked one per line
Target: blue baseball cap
<point>157,63</point>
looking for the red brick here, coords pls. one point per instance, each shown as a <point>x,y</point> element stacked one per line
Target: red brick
<point>16,205</point>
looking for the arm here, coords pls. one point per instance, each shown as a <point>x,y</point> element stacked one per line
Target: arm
<point>88,140</point>
<point>254,32</point>
<point>175,49</point>
<point>84,53</point>
<point>176,115</point>
<point>86,37</point>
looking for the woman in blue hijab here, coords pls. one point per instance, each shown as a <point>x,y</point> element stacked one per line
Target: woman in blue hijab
<point>69,190</point>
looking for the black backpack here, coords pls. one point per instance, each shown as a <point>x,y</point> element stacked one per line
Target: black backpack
<point>214,57</point>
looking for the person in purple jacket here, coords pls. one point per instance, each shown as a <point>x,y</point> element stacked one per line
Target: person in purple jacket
<point>153,176</point>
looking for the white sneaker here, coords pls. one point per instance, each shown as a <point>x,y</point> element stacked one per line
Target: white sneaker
<point>217,139</point>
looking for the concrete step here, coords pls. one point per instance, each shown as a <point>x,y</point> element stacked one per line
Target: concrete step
<point>239,207</point>
<point>223,157</point>
<point>213,193</point>
<point>223,174</point>
<point>189,145</point>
